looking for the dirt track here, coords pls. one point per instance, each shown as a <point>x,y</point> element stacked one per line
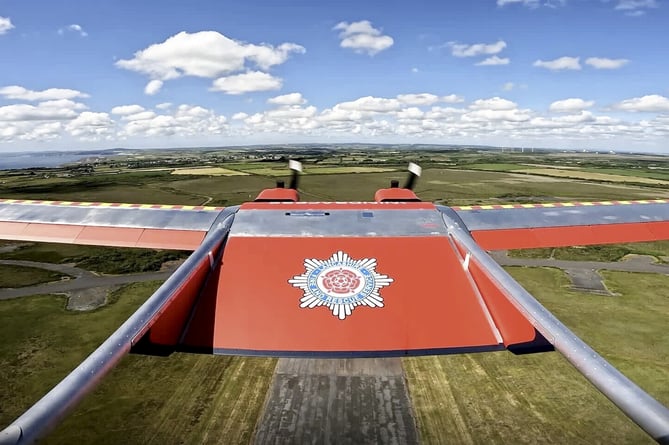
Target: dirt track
<point>82,280</point>
<point>338,401</point>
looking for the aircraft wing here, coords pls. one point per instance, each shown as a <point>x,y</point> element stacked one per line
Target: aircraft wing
<point>359,280</point>
<point>106,224</point>
<point>521,226</point>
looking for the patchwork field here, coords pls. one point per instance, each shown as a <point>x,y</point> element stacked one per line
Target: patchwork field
<point>473,398</point>
<point>590,175</point>
<point>313,170</point>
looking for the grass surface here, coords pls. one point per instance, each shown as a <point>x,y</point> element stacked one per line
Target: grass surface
<point>593,175</point>
<point>177,399</point>
<point>497,167</point>
<point>20,276</point>
<point>541,398</point>
<point>108,260</point>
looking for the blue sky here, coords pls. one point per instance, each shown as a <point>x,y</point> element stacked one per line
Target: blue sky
<point>547,73</point>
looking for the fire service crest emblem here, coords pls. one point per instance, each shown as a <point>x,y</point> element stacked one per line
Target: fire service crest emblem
<point>340,283</point>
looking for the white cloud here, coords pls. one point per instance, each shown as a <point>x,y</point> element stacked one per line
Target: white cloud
<point>362,37</point>
<point>370,104</point>
<point>414,70</point>
<point>555,3</point>
<point>90,126</point>
<point>5,25</point>
<point>411,113</point>
<point>287,99</point>
<point>207,54</point>
<point>143,115</point>
<point>533,3</point>
<point>30,131</point>
<point>406,117</point>
<point>650,103</point>
<point>601,63</point>
<point>291,112</point>
<point>494,103</point>
<point>62,109</point>
<point>488,115</point>
<point>418,99</point>
<point>562,63</point>
<point>452,99</point>
<point>570,105</point>
<point>246,83</point>
<point>164,105</point>
<point>20,93</point>
<point>153,87</point>
<point>528,3</point>
<point>494,60</point>
<point>476,49</point>
<point>508,86</point>
<point>126,110</point>
<point>73,28</point>
<point>184,121</point>
<point>635,8</point>
<point>338,114</point>
<point>132,112</point>
<point>46,131</point>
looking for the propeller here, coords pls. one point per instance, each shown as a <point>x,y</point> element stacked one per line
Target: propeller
<point>414,172</point>
<point>296,167</point>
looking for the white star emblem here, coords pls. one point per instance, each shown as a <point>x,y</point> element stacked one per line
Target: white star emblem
<point>340,283</point>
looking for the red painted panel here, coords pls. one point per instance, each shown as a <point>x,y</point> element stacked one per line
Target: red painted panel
<point>278,194</point>
<point>659,231</point>
<point>169,325</point>
<point>571,235</point>
<point>170,239</point>
<point>110,236</point>
<point>395,194</point>
<point>12,230</point>
<point>513,325</point>
<point>200,334</point>
<point>429,305</point>
<point>55,233</point>
<point>102,236</point>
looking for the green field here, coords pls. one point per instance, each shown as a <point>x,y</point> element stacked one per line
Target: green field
<point>109,260</point>
<point>21,276</point>
<point>183,398</point>
<point>541,398</point>
<point>472,398</point>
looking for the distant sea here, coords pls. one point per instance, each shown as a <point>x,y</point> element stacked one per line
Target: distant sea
<point>39,159</point>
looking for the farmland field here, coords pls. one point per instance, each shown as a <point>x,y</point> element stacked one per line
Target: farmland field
<point>471,398</point>
<point>208,171</point>
<point>592,175</point>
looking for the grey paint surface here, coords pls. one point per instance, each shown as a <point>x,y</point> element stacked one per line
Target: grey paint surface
<point>176,219</point>
<point>563,216</point>
<point>338,223</point>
